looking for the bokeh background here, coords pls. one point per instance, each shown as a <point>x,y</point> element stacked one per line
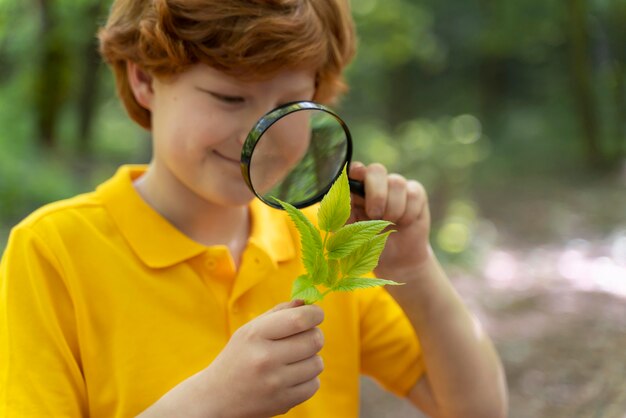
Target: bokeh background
<point>511,113</point>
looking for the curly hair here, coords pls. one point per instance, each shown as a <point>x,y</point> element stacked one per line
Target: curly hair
<point>248,39</point>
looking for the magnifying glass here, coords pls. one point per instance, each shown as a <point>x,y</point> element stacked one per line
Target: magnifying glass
<point>295,152</point>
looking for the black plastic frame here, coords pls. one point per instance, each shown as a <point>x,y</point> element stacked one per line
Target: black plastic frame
<point>272,117</point>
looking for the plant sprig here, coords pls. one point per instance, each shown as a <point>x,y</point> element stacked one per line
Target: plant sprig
<point>336,256</point>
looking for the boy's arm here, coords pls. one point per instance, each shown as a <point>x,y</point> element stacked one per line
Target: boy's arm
<point>39,354</point>
<point>464,376</point>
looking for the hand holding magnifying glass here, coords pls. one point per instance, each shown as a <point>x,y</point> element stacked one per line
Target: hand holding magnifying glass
<point>295,153</point>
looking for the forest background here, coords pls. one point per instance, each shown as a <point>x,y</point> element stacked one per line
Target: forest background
<point>511,113</point>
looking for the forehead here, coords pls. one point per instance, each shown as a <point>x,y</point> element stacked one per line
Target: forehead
<point>287,79</point>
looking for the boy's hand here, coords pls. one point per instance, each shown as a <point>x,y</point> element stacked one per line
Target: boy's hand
<point>269,365</point>
<point>404,202</point>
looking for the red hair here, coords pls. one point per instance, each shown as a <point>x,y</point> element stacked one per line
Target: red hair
<point>248,39</point>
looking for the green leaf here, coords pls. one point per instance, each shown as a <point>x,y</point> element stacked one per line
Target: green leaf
<point>309,295</point>
<point>353,283</point>
<point>350,252</point>
<point>302,282</point>
<point>333,273</point>
<point>319,274</point>
<point>350,237</point>
<point>312,246</point>
<point>365,258</point>
<point>303,289</point>
<point>334,209</point>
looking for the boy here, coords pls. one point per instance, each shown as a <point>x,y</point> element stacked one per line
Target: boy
<point>160,293</point>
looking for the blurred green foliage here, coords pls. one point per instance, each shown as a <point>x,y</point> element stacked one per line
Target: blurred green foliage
<point>459,95</point>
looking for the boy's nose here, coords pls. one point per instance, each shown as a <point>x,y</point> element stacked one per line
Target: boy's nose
<point>241,137</point>
<point>246,126</point>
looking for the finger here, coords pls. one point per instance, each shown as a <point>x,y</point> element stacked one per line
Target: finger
<point>300,346</point>
<point>286,322</point>
<point>286,305</point>
<point>302,392</point>
<point>357,171</point>
<point>376,189</point>
<point>357,212</point>
<point>416,203</point>
<point>303,371</point>
<point>396,199</point>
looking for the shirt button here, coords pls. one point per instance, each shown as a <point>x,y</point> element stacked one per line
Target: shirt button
<point>211,264</point>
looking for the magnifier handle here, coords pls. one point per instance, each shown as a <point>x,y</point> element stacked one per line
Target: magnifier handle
<point>357,187</point>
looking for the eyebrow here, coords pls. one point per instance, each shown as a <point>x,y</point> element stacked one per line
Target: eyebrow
<point>242,89</point>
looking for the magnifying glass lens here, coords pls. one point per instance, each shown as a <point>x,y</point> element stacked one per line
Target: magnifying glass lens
<point>298,156</point>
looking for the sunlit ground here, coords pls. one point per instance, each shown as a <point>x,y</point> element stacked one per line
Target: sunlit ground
<point>579,264</point>
<point>558,317</point>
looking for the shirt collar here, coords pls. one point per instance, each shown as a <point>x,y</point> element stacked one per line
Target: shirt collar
<point>270,231</point>
<point>159,244</point>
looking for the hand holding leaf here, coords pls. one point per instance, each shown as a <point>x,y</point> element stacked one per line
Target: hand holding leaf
<point>338,261</point>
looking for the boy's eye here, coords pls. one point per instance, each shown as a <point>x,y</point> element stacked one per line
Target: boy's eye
<point>228,99</point>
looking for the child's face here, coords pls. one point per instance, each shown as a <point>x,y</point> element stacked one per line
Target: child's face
<point>201,118</point>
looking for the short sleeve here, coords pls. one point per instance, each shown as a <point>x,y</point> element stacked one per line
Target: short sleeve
<point>390,350</point>
<point>40,374</point>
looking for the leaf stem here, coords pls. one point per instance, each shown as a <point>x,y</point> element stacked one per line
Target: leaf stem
<point>324,244</point>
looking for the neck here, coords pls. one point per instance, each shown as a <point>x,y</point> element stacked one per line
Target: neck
<point>203,221</point>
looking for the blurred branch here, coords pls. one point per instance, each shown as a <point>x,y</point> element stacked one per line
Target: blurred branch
<point>582,84</point>
<point>617,28</point>
<point>492,61</point>
<point>50,87</point>
<point>620,108</point>
<point>88,99</point>
<point>5,62</point>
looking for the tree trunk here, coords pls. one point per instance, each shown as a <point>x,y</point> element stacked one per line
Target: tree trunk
<point>493,72</point>
<point>49,86</point>
<point>620,109</point>
<point>88,96</point>
<point>6,65</point>
<point>582,83</point>
<point>618,36</point>
<point>493,83</point>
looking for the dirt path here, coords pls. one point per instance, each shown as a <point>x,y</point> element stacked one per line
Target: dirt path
<point>564,353</point>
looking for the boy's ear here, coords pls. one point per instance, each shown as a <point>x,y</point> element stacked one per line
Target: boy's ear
<point>140,82</point>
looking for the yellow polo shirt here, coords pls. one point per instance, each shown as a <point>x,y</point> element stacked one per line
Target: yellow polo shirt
<point>105,306</point>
